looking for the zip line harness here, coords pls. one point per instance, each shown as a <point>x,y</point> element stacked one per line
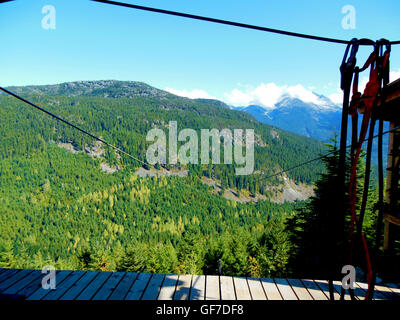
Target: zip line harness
<point>366,104</point>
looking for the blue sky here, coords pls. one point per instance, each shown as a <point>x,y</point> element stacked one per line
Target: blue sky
<point>94,41</point>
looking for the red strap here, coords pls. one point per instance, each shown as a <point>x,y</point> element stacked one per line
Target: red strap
<point>364,104</point>
<point>369,268</point>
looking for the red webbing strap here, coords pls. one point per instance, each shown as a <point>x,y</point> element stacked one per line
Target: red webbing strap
<point>363,104</point>
<point>368,260</point>
<point>384,79</point>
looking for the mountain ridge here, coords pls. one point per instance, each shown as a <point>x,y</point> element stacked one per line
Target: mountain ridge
<point>82,100</point>
<point>59,207</point>
<point>295,115</point>
<point>105,88</point>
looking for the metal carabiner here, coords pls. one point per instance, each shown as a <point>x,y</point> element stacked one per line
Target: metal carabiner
<point>348,64</point>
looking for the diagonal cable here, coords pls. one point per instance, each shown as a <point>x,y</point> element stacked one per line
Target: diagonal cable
<point>233,23</point>
<point>73,126</point>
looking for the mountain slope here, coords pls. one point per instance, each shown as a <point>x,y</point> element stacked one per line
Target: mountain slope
<point>294,115</point>
<point>58,207</point>
<point>102,88</point>
<point>310,120</point>
<point>126,115</point>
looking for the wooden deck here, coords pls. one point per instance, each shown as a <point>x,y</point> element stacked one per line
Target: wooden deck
<point>94,285</point>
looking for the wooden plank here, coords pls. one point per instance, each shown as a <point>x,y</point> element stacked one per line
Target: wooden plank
<point>60,289</point>
<point>123,286</point>
<point>5,275</point>
<point>337,285</point>
<point>270,289</point>
<point>389,110</point>
<point>314,290</point>
<point>79,286</point>
<point>2,271</point>
<point>391,180</point>
<point>256,289</point>
<point>37,284</point>
<point>242,288</point>
<point>136,290</point>
<point>94,286</point>
<point>324,286</point>
<point>299,289</point>
<point>24,282</point>
<point>377,294</point>
<point>392,219</point>
<point>8,273</point>
<point>227,288</point>
<point>183,287</point>
<point>387,292</point>
<point>168,287</point>
<point>361,293</point>
<point>14,278</point>
<point>392,92</point>
<point>285,289</point>
<point>119,285</point>
<point>393,287</point>
<point>198,289</point>
<point>153,288</point>
<point>358,293</point>
<point>212,288</point>
<point>386,235</point>
<point>109,286</point>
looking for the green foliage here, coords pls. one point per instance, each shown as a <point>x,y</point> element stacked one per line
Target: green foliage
<point>59,208</point>
<point>310,230</point>
<point>7,255</point>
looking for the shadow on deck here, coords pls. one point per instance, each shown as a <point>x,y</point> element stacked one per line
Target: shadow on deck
<point>25,284</point>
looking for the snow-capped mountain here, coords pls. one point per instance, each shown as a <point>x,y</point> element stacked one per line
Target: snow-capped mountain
<point>317,120</point>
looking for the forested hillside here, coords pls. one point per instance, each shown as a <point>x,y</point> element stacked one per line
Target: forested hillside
<point>57,207</point>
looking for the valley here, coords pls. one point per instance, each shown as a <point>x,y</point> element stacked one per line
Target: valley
<point>73,203</point>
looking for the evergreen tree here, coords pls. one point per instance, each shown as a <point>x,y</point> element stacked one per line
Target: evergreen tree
<point>311,230</point>
<point>7,259</point>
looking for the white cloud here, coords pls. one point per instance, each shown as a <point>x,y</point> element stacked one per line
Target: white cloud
<point>303,94</point>
<point>394,75</point>
<point>193,94</point>
<point>239,98</point>
<point>267,95</point>
<point>337,97</point>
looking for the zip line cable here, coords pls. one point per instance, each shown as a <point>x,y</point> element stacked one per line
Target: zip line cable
<point>148,164</point>
<point>230,23</point>
<point>235,24</point>
<point>73,126</point>
<point>324,156</point>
